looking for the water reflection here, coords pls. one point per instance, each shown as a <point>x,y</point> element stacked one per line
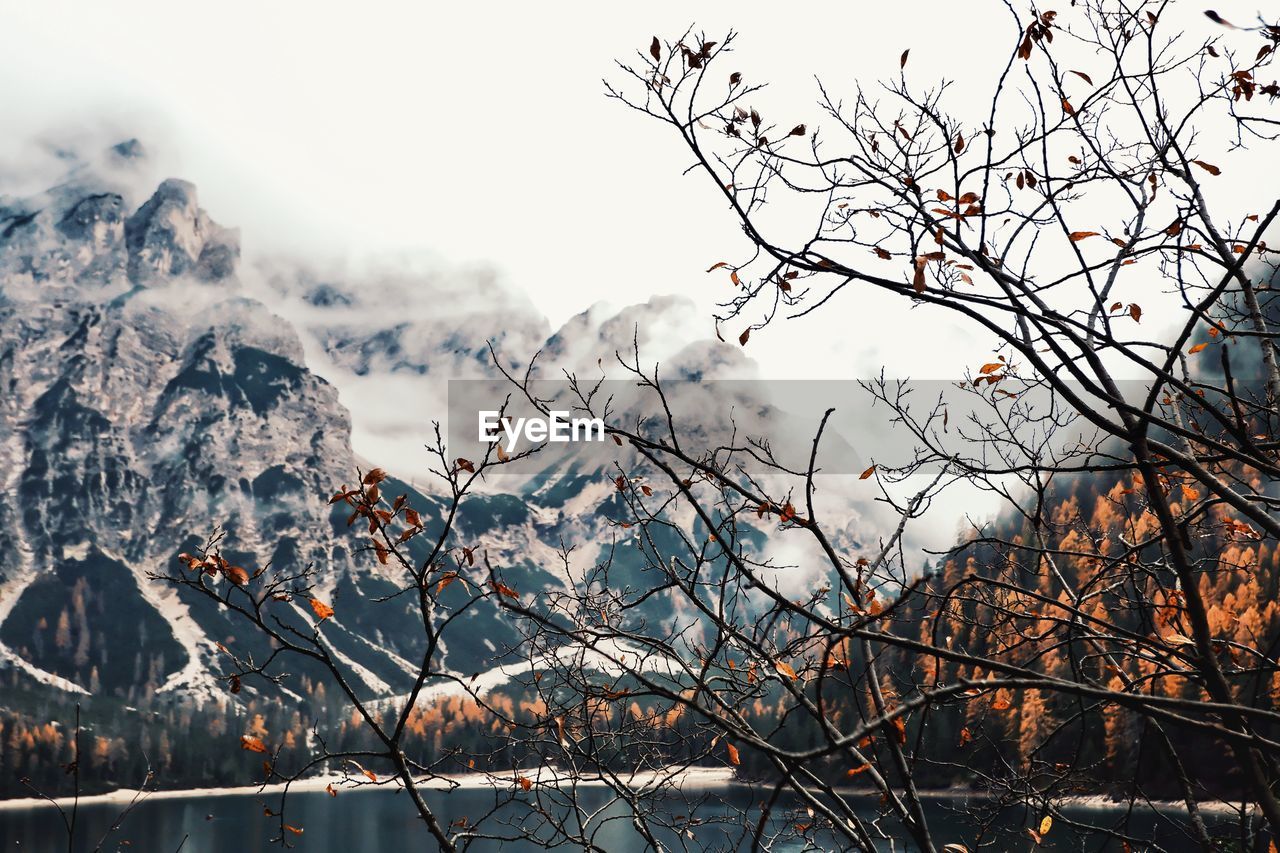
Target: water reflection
<point>381,821</point>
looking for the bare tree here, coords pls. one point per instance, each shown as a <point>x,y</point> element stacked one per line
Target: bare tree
<point>283,607</point>
<point>1027,221</point>
<point>69,813</point>
<point>1110,630</point>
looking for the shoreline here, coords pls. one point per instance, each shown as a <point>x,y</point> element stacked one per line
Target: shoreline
<point>1100,801</point>
<point>694,778</point>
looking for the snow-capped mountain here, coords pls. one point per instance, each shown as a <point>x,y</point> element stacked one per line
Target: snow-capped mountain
<point>151,394</point>
<point>147,399</point>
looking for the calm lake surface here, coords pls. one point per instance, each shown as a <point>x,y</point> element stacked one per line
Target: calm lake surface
<point>381,821</point>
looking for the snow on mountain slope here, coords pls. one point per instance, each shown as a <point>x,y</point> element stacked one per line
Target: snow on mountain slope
<point>146,399</point>
<point>148,395</point>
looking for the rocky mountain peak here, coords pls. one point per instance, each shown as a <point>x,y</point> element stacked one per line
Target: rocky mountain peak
<point>141,409</point>
<point>81,234</point>
<point>170,235</point>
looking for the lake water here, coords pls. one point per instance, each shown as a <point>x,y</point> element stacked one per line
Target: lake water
<point>381,821</point>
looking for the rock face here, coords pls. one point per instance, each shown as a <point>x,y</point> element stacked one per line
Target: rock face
<point>145,399</point>
<point>171,236</point>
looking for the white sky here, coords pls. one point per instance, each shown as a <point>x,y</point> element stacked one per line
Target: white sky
<point>471,132</point>
<point>479,134</point>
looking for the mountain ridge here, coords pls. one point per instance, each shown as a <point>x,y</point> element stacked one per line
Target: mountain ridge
<point>148,399</point>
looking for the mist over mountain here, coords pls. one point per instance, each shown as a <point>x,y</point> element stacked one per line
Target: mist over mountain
<point>147,399</point>
<point>156,388</point>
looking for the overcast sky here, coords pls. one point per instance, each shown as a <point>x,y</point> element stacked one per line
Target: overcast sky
<point>478,135</point>
<point>473,133</point>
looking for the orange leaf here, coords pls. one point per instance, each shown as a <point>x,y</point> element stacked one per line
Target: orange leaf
<point>900,729</point>
<point>1197,348</point>
<point>1077,236</point>
<point>236,575</point>
<point>1001,705</point>
<point>1208,167</point>
<point>296,830</point>
<point>742,338</point>
<point>867,473</point>
<point>329,789</point>
<point>252,744</point>
<point>503,589</point>
<point>525,783</point>
<point>917,281</point>
<point>857,770</point>
<point>322,610</point>
<point>785,669</point>
<point>342,495</point>
<point>734,758</point>
<point>368,774</point>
